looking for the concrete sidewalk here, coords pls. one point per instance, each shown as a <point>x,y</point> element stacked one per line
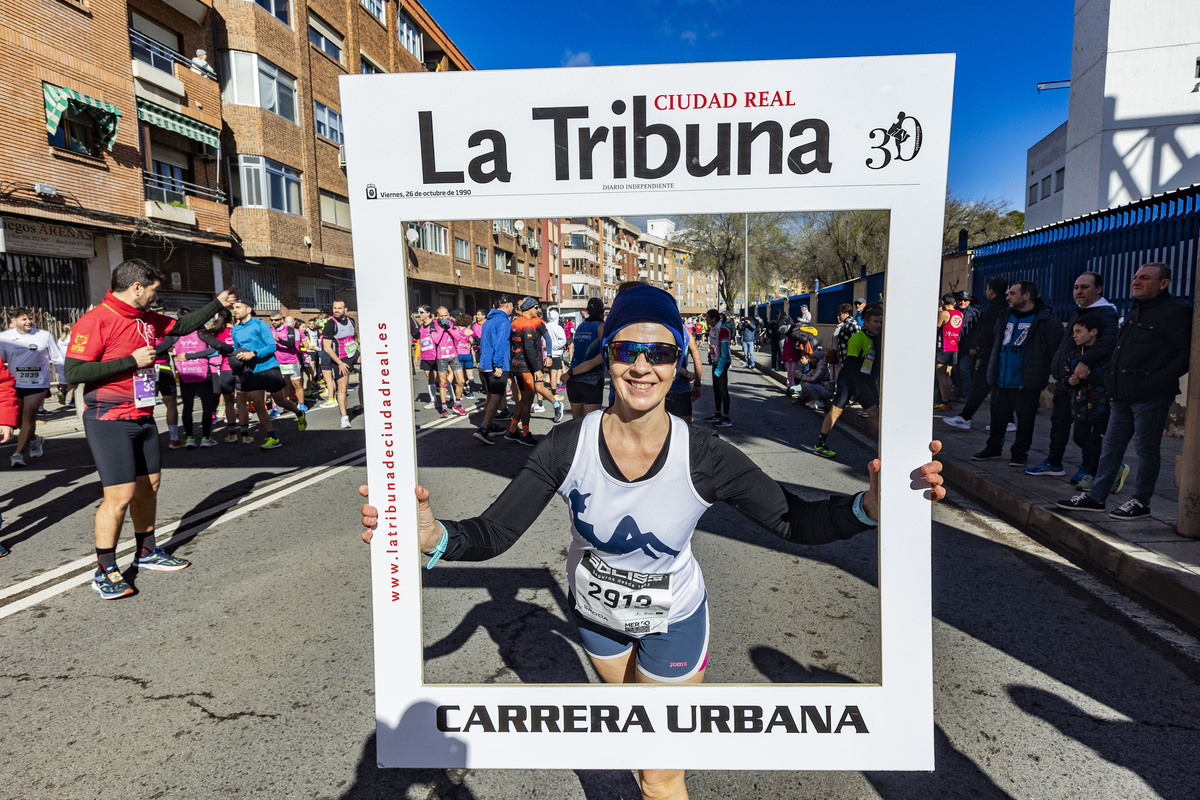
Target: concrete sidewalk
<point>1146,556</point>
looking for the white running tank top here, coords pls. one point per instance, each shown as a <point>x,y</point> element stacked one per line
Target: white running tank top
<point>645,526</point>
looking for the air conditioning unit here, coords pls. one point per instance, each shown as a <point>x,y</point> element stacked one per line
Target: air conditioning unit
<point>524,241</point>
<point>495,227</point>
<point>207,151</point>
<point>342,156</point>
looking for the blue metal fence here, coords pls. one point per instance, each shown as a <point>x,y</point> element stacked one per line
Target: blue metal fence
<point>1113,242</point>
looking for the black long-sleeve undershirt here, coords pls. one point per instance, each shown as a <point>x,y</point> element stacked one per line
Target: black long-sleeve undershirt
<point>720,472</point>
<point>91,371</point>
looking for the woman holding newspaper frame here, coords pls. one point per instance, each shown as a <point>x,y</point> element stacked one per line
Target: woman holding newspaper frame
<point>637,481</point>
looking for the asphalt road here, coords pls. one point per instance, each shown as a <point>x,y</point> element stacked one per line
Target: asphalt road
<point>250,673</point>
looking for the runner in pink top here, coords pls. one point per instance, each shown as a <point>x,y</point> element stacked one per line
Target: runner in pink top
<point>287,353</point>
<point>446,354</point>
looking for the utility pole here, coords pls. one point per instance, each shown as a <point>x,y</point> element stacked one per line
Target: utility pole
<point>746,261</point>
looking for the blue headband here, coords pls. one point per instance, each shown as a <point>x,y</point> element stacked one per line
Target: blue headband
<point>643,303</point>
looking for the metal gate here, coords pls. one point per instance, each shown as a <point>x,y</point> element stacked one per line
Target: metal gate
<point>56,289</point>
<point>1113,242</point>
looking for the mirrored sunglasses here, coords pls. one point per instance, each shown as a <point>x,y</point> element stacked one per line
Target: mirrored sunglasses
<point>656,353</point>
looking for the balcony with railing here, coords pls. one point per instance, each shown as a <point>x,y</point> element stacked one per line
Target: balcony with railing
<point>163,58</point>
<point>173,200</point>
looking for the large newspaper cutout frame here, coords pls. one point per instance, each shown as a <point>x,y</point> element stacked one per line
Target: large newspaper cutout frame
<point>861,133</point>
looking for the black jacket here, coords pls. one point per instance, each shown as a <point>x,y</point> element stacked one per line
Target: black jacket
<point>1040,344</point>
<point>984,331</point>
<point>1152,351</point>
<point>1098,354</point>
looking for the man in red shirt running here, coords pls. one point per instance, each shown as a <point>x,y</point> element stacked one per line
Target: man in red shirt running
<point>111,352</point>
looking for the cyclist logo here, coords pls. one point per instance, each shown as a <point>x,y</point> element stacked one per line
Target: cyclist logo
<point>626,538</point>
<point>901,141</point>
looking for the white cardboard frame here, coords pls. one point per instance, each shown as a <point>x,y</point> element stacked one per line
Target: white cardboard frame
<point>859,99</point>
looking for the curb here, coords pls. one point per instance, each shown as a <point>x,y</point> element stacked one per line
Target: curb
<point>1154,577</point>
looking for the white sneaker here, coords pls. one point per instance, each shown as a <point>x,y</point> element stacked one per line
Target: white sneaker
<point>960,423</point>
<point>1012,427</point>
<point>35,449</point>
<point>537,408</point>
<point>16,460</point>
<point>431,404</point>
<point>345,422</point>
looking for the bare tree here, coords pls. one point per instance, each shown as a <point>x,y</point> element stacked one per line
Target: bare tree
<point>719,243</point>
<point>985,221</point>
<point>834,245</point>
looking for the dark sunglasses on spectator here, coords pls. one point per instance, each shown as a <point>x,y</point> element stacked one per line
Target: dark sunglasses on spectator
<point>655,352</point>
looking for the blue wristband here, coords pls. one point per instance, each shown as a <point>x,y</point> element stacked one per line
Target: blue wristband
<point>860,513</point>
<point>438,551</point>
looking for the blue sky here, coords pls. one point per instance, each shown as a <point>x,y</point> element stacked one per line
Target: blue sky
<point>1004,50</point>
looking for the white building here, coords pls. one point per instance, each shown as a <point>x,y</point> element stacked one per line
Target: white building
<point>1133,125</point>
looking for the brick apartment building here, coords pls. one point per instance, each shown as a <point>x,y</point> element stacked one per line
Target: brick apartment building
<point>111,151</point>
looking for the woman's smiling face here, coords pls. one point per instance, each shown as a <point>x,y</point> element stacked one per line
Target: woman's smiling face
<point>641,386</point>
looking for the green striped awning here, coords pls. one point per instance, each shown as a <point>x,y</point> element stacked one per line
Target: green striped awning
<point>61,100</point>
<point>174,121</point>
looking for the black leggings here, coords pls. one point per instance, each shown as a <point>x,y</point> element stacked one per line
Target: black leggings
<point>720,385</point>
<point>208,405</point>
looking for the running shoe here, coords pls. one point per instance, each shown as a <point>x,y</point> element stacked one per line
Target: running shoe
<point>558,412</point>
<point>35,449</point>
<point>175,444</point>
<point>1078,476</point>
<point>160,560</point>
<point>823,451</point>
<point>482,436</point>
<point>271,443</point>
<point>712,418</point>
<point>537,408</point>
<point>724,422</point>
<point>274,413</point>
<point>303,408</point>
<point>986,455</point>
<point>958,422</point>
<point>445,412</point>
<point>941,406</point>
<point>1130,509</point>
<point>41,412</point>
<point>333,404</point>
<point>528,440</point>
<point>504,413</point>
<point>462,412</point>
<point>16,460</point>
<point>345,422</point>
<point>513,436</point>
<point>1085,483</point>
<point>208,441</point>
<point>1119,481</point>
<point>1080,502</point>
<point>247,439</point>
<point>1018,461</point>
<point>302,420</point>
<point>190,443</point>
<point>469,396</point>
<point>109,584</point>
<point>431,404</point>
<point>232,437</point>
<point>1046,468</point>
<point>4,551</point>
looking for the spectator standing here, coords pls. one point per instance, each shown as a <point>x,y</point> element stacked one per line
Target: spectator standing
<point>1026,338</point>
<point>1152,352</point>
<point>805,316</point>
<point>847,326</point>
<point>1088,293</point>
<point>859,306</point>
<point>749,332</point>
<point>1089,397</point>
<point>966,362</point>
<point>980,350</point>
<point>719,341</point>
<point>558,345</point>
<point>950,322</point>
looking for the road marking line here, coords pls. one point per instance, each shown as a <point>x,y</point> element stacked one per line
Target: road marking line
<point>128,544</point>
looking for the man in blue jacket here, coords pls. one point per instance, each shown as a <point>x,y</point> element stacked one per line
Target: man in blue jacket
<point>495,356</point>
<point>254,346</point>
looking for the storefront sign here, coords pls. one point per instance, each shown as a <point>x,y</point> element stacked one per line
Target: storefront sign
<point>35,237</point>
<point>769,136</point>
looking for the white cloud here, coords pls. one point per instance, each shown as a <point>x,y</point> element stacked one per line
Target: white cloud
<point>582,59</point>
<point>689,36</point>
